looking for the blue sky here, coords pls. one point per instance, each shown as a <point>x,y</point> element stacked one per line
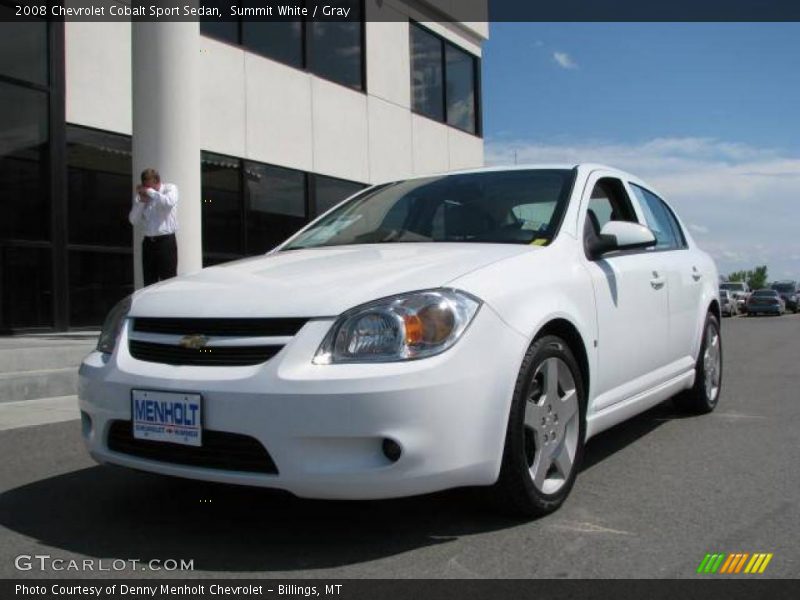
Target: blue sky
<point>708,113</point>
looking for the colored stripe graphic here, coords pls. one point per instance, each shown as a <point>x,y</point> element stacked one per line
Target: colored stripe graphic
<point>726,567</point>
<point>724,563</point>
<point>702,566</point>
<point>741,562</point>
<point>765,563</point>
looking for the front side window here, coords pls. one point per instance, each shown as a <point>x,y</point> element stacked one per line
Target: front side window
<point>608,202</point>
<point>516,207</point>
<point>658,218</point>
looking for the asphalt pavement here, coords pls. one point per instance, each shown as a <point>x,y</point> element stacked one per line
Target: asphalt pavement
<point>655,495</point>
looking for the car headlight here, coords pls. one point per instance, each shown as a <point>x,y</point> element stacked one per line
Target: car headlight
<point>404,327</point>
<point>112,326</point>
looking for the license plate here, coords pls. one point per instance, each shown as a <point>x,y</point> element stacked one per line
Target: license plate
<point>167,417</point>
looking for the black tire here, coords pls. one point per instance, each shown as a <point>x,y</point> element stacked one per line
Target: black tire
<point>699,400</point>
<point>515,492</point>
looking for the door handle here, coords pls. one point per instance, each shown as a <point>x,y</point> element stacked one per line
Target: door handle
<point>657,281</point>
<point>696,275</point>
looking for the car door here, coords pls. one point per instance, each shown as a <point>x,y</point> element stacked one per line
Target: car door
<point>631,296</point>
<point>684,271</point>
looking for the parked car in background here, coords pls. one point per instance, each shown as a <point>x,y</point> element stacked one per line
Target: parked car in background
<point>467,329</point>
<point>790,292</point>
<point>729,306</point>
<point>740,291</point>
<point>765,302</point>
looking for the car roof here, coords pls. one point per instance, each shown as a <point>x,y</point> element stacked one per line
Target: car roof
<point>529,167</point>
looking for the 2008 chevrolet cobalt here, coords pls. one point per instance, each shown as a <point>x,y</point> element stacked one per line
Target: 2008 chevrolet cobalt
<point>470,329</point>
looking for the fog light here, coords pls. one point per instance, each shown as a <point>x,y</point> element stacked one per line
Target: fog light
<point>86,425</point>
<point>391,450</point>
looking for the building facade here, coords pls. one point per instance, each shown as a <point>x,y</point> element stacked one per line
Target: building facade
<point>292,118</point>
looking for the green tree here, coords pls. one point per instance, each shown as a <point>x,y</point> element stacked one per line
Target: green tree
<point>758,278</point>
<point>755,278</point>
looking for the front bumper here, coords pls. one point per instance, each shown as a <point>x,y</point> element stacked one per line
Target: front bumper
<point>324,425</point>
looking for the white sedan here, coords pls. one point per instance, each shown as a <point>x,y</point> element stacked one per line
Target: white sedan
<point>469,329</point>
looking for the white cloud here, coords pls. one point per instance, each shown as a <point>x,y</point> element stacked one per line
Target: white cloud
<point>698,228</point>
<point>741,200</point>
<point>564,60</point>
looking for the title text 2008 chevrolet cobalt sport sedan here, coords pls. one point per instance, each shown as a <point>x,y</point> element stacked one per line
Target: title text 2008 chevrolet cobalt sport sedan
<point>470,329</point>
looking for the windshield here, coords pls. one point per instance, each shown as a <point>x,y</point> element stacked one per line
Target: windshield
<point>733,287</point>
<point>784,288</point>
<point>765,294</point>
<point>499,207</point>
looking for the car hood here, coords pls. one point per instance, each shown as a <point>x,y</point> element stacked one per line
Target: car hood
<point>316,282</point>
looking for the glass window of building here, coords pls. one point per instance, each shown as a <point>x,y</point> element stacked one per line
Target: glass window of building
<point>460,87</point>
<point>99,189</point>
<point>97,281</point>
<point>444,81</point>
<point>222,206</point>
<point>427,74</point>
<point>278,40</point>
<point>225,30</point>
<point>335,48</point>
<point>276,205</point>
<point>23,163</point>
<point>328,191</point>
<point>26,287</point>
<point>23,47</point>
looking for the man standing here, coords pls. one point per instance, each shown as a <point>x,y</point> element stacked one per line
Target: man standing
<point>155,207</point>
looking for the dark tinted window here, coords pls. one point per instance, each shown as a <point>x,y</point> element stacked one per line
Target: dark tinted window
<point>460,89</point>
<point>23,163</point>
<point>335,47</point>
<point>26,286</point>
<point>328,191</point>
<point>278,40</point>
<point>222,204</point>
<point>227,31</point>
<point>427,75</point>
<point>97,281</point>
<point>493,207</point>
<point>23,47</point>
<point>276,205</point>
<point>99,190</point>
<point>444,82</point>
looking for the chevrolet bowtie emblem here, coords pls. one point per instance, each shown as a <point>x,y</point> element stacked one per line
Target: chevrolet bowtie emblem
<point>194,342</point>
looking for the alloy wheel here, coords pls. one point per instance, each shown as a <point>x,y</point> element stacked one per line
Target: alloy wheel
<point>551,425</point>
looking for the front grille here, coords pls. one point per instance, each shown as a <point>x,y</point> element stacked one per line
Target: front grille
<point>213,356</point>
<point>220,327</point>
<point>220,450</point>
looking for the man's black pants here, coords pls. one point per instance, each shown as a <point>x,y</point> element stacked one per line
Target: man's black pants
<point>159,258</point>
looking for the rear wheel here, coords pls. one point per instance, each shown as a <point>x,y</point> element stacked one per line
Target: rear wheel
<point>704,394</point>
<point>545,433</point>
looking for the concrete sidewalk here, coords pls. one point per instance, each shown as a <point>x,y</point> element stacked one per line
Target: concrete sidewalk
<point>40,366</point>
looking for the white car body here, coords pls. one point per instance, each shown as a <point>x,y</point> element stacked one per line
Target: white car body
<point>638,318</point>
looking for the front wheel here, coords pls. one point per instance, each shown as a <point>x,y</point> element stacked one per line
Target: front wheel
<point>545,433</point>
<point>704,394</point>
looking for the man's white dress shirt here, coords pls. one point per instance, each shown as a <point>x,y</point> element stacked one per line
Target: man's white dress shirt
<point>160,215</point>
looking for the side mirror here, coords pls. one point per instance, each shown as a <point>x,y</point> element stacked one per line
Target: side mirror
<point>621,235</point>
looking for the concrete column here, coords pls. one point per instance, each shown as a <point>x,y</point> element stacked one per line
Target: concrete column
<point>165,83</point>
